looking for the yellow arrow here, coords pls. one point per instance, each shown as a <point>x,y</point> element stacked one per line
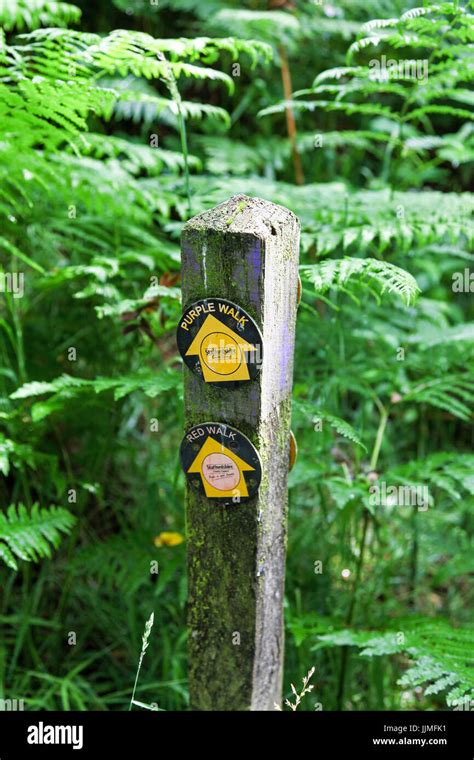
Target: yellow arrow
<point>221,470</point>
<point>221,351</point>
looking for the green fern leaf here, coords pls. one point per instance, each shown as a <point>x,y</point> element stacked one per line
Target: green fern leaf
<point>314,414</point>
<point>30,535</point>
<point>388,277</point>
<point>29,14</point>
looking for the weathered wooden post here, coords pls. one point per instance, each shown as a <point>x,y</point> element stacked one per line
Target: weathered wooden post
<point>239,283</point>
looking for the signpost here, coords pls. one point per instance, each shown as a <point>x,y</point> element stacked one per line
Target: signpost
<point>236,336</point>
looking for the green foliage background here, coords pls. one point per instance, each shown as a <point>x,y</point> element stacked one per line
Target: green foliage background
<point>110,141</point>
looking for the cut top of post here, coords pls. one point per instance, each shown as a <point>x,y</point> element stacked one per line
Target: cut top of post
<point>243,214</point>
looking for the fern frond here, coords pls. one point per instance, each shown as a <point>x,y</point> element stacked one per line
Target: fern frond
<point>443,653</point>
<point>66,389</point>
<point>450,335</point>
<point>338,73</point>
<point>429,80</point>
<point>315,414</point>
<point>30,14</point>
<point>42,114</point>
<point>453,394</point>
<point>365,109</point>
<point>388,277</point>
<point>420,113</point>
<point>272,27</point>
<point>358,139</point>
<point>447,471</point>
<point>379,23</point>
<point>135,158</point>
<point>28,535</point>
<point>126,52</point>
<point>145,107</point>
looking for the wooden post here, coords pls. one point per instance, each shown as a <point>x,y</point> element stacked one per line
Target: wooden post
<point>245,251</point>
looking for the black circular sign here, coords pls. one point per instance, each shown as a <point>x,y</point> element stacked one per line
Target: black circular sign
<point>220,342</point>
<point>221,462</point>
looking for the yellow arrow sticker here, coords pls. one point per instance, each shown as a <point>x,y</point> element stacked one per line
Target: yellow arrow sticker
<point>223,353</point>
<point>220,342</point>
<point>221,470</point>
<point>210,460</point>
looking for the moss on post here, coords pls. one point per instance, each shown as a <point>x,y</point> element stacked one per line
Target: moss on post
<point>246,251</point>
